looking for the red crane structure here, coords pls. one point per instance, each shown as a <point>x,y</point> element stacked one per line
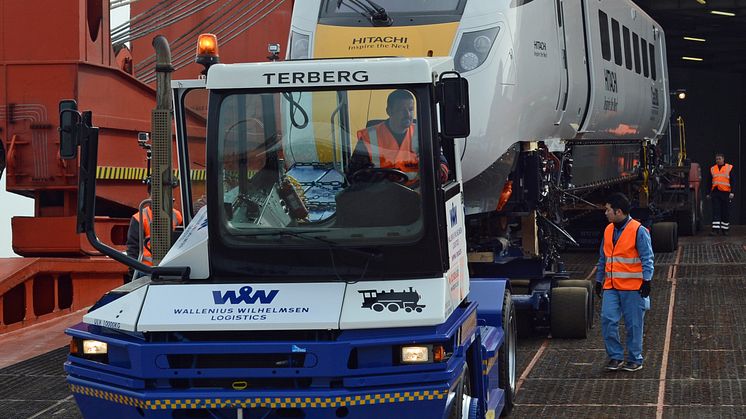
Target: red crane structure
<point>66,49</point>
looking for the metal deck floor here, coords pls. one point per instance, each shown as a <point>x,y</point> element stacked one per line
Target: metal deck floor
<point>701,335</point>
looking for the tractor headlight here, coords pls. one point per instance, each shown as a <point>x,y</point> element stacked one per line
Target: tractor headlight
<point>299,46</point>
<point>422,354</point>
<point>91,349</point>
<point>474,48</point>
<point>94,347</point>
<point>415,354</point>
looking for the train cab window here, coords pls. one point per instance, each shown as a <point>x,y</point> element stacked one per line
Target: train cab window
<point>617,42</point>
<point>653,72</point>
<point>644,49</point>
<point>636,46</point>
<point>603,25</point>
<point>627,48</point>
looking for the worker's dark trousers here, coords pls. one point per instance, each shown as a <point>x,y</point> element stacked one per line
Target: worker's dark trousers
<point>720,211</point>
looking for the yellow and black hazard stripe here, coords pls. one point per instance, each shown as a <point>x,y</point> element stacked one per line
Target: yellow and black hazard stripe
<point>137,173</point>
<point>487,364</point>
<point>265,402</point>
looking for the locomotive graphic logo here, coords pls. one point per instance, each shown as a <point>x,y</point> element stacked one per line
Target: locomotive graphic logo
<point>392,300</point>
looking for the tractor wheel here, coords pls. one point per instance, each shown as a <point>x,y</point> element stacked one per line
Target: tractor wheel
<point>569,312</point>
<point>506,355</point>
<point>462,401</point>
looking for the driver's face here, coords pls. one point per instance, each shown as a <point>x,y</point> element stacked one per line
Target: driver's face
<point>401,115</point>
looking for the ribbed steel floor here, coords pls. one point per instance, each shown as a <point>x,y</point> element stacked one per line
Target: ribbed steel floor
<point>706,371</point>
<point>705,374</point>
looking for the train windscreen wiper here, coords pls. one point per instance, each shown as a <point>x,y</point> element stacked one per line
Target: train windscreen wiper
<point>371,10</point>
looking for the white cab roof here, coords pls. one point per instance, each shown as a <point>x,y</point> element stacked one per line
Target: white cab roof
<point>317,73</point>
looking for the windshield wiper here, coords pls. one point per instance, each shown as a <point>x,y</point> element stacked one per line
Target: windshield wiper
<point>302,235</point>
<point>371,10</point>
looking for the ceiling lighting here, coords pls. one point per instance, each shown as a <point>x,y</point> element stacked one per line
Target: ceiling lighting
<point>680,94</point>
<point>691,38</point>
<point>718,12</point>
<point>702,1</point>
<point>692,59</point>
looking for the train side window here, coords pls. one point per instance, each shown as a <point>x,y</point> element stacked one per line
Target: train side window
<point>603,25</point>
<point>636,46</point>
<point>644,49</point>
<point>627,48</point>
<point>653,72</point>
<point>617,42</point>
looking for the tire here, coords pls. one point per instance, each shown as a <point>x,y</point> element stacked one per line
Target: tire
<point>664,237</point>
<point>525,321</point>
<point>687,218</point>
<point>568,314</point>
<point>566,283</point>
<point>506,355</point>
<point>462,389</point>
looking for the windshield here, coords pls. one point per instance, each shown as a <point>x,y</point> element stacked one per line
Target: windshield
<point>336,7</point>
<point>320,167</point>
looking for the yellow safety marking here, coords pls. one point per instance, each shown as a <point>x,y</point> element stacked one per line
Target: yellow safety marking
<point>265,402</point>
<point>487,365</point>
<point>137,173</point>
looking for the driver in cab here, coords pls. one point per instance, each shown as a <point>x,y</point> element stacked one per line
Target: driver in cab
<point>392,144</point>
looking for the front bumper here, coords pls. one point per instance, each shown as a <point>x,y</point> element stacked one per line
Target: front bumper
<point>98,401</point>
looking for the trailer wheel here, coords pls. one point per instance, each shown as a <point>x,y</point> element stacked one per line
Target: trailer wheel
<point>566,283</point>
<point>664,237</point>
<point>506,355</point>
<point>569,312</point>
<point>687,218</point>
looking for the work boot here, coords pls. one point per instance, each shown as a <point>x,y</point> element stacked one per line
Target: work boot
<point>714,233</point>
<point>726,232</point>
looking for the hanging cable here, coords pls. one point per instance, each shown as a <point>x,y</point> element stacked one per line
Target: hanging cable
<point>177,11</point>
<point>236,23</point>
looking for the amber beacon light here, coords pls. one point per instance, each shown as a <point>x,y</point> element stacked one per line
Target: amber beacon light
<point>207,50</point>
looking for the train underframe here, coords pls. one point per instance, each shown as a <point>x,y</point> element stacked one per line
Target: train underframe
<point>555,203</point>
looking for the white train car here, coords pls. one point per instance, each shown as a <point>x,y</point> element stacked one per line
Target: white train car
<point>540,72</point>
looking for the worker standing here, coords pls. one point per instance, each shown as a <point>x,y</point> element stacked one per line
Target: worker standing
<point>138,245</point>
<point>623,278</point>
<point>721,193</point>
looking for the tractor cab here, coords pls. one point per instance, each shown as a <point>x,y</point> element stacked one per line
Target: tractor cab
<point>304,182</point>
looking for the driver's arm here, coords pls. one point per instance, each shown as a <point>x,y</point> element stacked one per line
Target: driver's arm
<point>360,159</point>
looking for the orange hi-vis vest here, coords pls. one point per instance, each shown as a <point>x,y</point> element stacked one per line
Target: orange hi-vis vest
<point>721,177</point>
<point>147,255</point>
<point>385,152</point>
<point>623,264</point>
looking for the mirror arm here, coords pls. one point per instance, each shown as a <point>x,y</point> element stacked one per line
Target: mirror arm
<point>87,137</point>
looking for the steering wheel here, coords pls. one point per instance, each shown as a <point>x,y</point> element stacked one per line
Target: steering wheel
<point>377,174</point>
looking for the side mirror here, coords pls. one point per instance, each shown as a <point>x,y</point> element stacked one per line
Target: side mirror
<point>69,119</point>
<point>454,105</point>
